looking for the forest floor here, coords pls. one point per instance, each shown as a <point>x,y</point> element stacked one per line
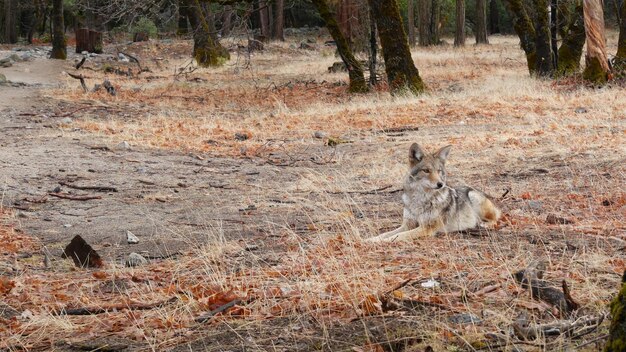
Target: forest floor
<point>251,188</point>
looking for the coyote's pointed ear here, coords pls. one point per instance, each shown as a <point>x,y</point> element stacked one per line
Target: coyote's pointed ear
<point>442,154</point>
<point>416,154</point>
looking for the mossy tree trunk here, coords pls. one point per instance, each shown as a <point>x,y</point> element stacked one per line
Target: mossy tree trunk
<point>571,49</point>
<point>355,70</point>
<point>459,33</point>
<point>481,22</point>
<point>617,329</point>
<point>279,21</point>
<point>544,65</point>
<point>525,31</point>
<point>207,50</point>
<point>402,74</point>
<point>59,46</point>
<point>596,62</point>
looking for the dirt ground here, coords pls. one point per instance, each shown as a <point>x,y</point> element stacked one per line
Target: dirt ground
<point>222,176</point>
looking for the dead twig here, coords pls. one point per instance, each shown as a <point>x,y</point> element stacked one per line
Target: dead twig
<point>105,309</point>
<point>373,191</point>
<point>82,80</point>
<point>80,64</point>
<point>90,188</point>
<point>74,197</point>
<point>206,317</point>
<point>133,59</point>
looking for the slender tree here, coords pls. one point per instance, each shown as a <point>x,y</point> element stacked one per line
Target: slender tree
<point>596,62</point>
<point>59,49</point>
<point>494,18</point>
<point>411,22</point>
<point>620,57</point>
<point>481,22</point>
<point>459,33</point>
<point>425,37</point>
<point>435,21</point>
<point>544,66</point>
<point>571,49</point>
<point>279,21</point>
<point>10,21</point>
<point>355,69</point>
<point>402,74</point>
<point>264,19</point>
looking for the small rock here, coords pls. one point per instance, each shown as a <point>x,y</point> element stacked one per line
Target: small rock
<point>123,145</point>
<point>84,52</point>
<point>67,225</point>
<point>292,46</point>
<point>465,318</point>
<point>123,57</point>
<point>311,41</point>
<point>430,283</point>
<point>3,78</point>
<point>135,259</point>
<point>535,205</point>
<point>251,247</point>
<point>66,121</point>
<point>26,315</point>
<point>6,63</point>
<point>57,189</point>
<point>241,136</point>
<point>15,58</point>
<point>131,238</point>
<point>557,220</point>
<point>26,57</point>
<point>581,110</point>
<point>320,134</point>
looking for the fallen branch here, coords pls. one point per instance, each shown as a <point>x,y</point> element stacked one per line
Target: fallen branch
<point>82,80</point>
<point>133,59</point>
<point>80,64</point>
<point>396,129</point>
<point>91,188</point>
<point>531,278</point>
<point>101,310</point>
<point>373,191</point>
<point>530,331</point>
<point>73,197</point>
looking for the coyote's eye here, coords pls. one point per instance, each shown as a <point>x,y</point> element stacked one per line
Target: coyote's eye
<point>426,171</point>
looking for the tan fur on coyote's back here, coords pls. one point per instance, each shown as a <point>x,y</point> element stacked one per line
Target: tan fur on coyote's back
<point>431,206</point>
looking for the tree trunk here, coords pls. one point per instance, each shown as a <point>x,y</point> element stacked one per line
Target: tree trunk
<point>10,21</point>
<point>279,20</point>
<point>544,64</point>
<point>617,329</point>
<point>435,21</point>
<point>481,22</point>
<point>59,50</point>
<point>424,22</point>
<point>494,17</point>
<point>621,44</point>
<point>572,48</point>
<point>459,33</point>
<point>183,13</point>
<point>411,20</point>
<point>525,31</point>
<point>227,23</point>
<point>355,70</point>
<point>597,65</point>
<point>264,20</point>
<point>373,49</point>
<point>206,50</point>
<point>402,74</point>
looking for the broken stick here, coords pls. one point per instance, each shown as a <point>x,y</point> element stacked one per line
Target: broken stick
<point>74,197</point>
<point>82,80</point>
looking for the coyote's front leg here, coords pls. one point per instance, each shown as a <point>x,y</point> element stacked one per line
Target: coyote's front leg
<point>425,230</point>
<point>406,226</point>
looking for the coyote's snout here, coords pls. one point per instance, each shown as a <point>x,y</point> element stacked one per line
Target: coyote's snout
<point>431,206</point>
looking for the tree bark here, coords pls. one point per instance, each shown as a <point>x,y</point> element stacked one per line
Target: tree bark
<point>183,10</point>
<point>459,33</point>
<point>373,48</point>
<point>59,49</point>
<point>279,21</point>
<point>355,70</point>
<point>411,20</point>
<point>435,21</point>
<point>402,74</point>
<point>227,23</point>
<point>424,22</point>
<point>597,66</point>
<point>571,50</point>
<point>264,19</point>
<point>10,21</point>
<point>544,63</point>
<point>206,49</point>
<point>621,43</point>
<point>617,329</point>
<point>481,22</point>
<point>494,17</point>
<point>525,31</point>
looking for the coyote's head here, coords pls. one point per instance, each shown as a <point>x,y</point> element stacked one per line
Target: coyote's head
<point>428,170</point>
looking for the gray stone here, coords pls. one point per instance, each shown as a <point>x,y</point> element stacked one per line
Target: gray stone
<point>535,205</point>
<point>66,121</point>
<point>135,259</point>
<point>131,238</point>
<point>320,134</point>
<point>581,110</point>
<point>306,46</point>
<point>241,136</point>
<point>3,78</point>
<point>123,145</point>
<point>6,64</point>
<point>311,41</point>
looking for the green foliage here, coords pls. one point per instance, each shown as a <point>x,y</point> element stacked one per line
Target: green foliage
<point>145,25</point>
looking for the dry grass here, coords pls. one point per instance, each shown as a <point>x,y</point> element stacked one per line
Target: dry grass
<point>509,132</point>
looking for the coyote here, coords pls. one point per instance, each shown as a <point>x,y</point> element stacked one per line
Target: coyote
<point>430,206</point>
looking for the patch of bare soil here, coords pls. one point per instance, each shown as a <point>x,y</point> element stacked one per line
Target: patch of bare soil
<point>251,187</point>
